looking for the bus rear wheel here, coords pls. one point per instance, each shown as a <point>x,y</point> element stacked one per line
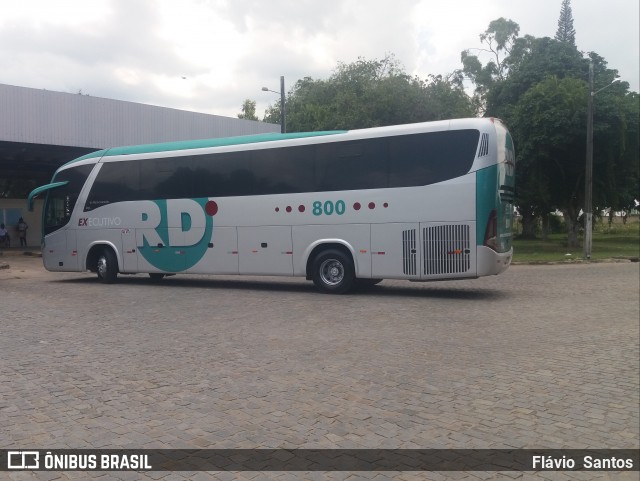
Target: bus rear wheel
<point>333,272</point>
<point>107,267</point>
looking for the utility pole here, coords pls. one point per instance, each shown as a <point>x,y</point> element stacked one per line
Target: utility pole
<point>283,122</point>
<point>588,177</point>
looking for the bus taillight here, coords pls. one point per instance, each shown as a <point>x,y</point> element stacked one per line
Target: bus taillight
<point>491,233</point>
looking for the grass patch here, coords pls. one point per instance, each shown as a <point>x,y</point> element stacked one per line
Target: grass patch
<point>618,241</point>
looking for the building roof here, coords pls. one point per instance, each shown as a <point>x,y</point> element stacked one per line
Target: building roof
<point>40,130</point>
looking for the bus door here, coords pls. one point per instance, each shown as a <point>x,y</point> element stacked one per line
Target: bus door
<point>55,250</point>
<point>265,250</point>
<point>61,251</point>
<point>395,251</point>
<point>72,249</point>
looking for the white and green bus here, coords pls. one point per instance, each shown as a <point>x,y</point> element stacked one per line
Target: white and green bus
<point>422,202</point>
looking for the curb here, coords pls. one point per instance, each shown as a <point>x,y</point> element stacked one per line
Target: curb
<point>14,253</point>
<point>611,260</point>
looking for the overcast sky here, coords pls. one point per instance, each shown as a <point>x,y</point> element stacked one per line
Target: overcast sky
<point>210,55</point>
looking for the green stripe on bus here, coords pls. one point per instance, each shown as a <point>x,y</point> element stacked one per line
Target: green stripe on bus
<point>486,199</point>
<point>201,144</point>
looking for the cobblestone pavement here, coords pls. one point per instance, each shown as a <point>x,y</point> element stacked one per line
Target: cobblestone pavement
<point>539,357</point>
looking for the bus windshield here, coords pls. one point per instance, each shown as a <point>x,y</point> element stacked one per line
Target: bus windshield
<point>61,200</point>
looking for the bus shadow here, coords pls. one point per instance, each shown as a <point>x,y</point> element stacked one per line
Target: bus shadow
<point>414,290</point>
<point>434,292</point>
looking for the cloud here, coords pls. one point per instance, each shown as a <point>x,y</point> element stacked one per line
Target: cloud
<point>140,50</point>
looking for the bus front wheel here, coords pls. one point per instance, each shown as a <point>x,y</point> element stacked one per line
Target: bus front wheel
<point>107,267</point>
<point>333,272</point>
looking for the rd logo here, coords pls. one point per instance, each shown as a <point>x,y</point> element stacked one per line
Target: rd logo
<point>164,225</point>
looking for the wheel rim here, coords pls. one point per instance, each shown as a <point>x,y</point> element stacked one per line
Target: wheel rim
<point>332,272</point>
<point>102,266</point>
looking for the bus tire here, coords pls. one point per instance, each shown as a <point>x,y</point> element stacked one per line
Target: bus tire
<point>107,266</point>
<point>333,272</point>
<point>156,276</point>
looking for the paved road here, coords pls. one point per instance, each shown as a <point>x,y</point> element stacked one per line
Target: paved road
<point>539,357</point>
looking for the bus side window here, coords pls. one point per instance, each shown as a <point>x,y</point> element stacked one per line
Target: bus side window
<point>169,178</point>
<point>222,175</point>
<point>410,165</point>
<point>116,182</point>
<point>352,165</point>
<point>428,158</point>
<point>283,171</point>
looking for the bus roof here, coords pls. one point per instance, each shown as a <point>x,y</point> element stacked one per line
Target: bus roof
<point>200,144</point>
<point>272,137</point>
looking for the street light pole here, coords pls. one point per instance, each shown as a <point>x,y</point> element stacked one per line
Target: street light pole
<point>283,122</point>
<point>588,177</point>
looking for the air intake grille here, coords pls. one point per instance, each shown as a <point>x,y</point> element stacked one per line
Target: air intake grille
<point>409,263</point>
<point>446,249</point>
<point>484,146</point>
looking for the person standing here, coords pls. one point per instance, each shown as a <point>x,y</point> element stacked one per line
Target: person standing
<point>22,232</point>
<point>4,236</point>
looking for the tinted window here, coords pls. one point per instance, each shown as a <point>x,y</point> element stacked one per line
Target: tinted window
<point>283,171</point>
<point>360,164</point>
<point>401,161</point>
<point>169,178</point>
<point>222,175</point>
<point>424,159</point>
<point>116,182</point>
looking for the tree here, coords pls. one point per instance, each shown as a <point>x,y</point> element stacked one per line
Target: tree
<point>533,60</point>
<point>566,32</point>
<point>541,94</point>
<point>549,122</point>
<point>616,139</point>
<point>371,93</point>
<point>499,39</point>
<point>529,61</point>
<point>248,110</point>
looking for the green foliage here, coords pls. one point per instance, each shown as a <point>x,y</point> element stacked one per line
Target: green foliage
<point>370,93</point>
<point>248,110</point>
<point>538,86</point>
<point>500,35</point>
<point>616,147</point>
<point>499,39</point>
<point>566,32</point>
<point>548,123</point>
<point>534,60</point>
